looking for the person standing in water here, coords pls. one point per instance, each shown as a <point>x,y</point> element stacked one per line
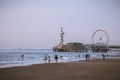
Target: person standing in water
<point>86,56</point>
<point>45,58</point>
<point>22,56</point>
<point>56,58</point>
<point>103,56</point>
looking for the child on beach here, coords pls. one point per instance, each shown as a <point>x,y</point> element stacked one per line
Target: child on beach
<point>48,59</point>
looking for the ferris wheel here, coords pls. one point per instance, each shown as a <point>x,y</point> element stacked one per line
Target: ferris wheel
<point>100,37</point>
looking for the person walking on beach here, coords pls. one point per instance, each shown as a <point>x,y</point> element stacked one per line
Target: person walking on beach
<point>48,59</point>
<point>56,58</point>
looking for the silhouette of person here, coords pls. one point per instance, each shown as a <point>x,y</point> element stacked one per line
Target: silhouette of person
<point>56,58</point>
<point>103,56</point>
<point>86,56</point>
<point>22,57</point>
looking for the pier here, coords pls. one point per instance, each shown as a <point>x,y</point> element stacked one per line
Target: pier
<point>81,47</point>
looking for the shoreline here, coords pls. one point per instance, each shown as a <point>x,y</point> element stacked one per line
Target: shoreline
<point>28,64</point>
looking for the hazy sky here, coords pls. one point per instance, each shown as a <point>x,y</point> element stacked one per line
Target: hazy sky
<point>36,23</point>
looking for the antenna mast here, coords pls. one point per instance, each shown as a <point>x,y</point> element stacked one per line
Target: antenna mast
<point>61,37</point>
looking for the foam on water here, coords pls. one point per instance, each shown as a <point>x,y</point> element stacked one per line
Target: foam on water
<point>12,58</point>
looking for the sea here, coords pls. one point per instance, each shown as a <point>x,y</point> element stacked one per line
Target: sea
<point>13,57</point>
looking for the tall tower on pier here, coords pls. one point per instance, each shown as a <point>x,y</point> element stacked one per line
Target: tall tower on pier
<point>61,38</point>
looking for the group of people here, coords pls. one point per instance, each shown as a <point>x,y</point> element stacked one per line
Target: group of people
<point>87,56</point>
<point>47,59</point>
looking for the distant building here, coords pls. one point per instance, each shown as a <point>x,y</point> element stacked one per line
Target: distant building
<point>71,47</point>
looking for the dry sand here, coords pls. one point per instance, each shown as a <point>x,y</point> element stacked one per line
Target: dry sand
<point>85,70</point>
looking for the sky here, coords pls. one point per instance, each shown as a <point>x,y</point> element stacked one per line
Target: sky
<point>35,24</point>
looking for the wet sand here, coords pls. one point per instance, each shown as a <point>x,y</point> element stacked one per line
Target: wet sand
<point>85,70</point>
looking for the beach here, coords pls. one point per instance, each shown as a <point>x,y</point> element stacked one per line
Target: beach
<point>108,69</point>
